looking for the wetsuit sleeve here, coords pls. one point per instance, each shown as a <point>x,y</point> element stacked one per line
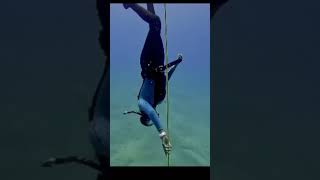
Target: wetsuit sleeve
<point>145,107</point>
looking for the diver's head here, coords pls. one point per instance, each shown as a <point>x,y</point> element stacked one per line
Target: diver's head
<point>143,117</point>
<point>145,120</point>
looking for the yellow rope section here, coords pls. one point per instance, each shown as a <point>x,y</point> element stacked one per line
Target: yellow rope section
<point>167,80</point>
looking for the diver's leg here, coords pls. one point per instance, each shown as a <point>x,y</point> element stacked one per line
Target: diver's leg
<point>146,15</point>
<point>145,107</point>
<point>150,8</point>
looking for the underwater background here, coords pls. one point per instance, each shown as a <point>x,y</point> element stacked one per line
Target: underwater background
<point>131,143</point>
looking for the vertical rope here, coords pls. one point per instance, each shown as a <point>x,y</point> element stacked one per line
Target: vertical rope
<point>167,80</point>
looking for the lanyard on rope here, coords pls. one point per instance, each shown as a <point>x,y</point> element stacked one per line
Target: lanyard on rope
<point>167,80</point>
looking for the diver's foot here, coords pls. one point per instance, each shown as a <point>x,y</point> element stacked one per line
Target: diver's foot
<point>126,5</point>
<point>167,147</point>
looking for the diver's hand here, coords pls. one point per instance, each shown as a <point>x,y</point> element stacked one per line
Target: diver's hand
<point>167,147</point>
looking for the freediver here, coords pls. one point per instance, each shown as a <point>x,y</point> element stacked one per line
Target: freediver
<point>153,88</point>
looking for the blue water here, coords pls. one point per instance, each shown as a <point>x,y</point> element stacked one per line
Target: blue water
<point>189,89</point>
